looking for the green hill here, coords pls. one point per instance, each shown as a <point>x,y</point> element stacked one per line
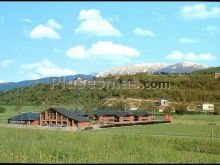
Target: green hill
<point>211,70</point>
<point>183,88</point>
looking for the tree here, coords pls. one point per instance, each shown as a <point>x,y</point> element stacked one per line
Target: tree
<point>217,110</point>
<point>168,110</point>
<point>180,109</point>
<point>2,109</point>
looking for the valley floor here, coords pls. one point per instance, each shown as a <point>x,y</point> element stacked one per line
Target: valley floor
<point>37,146</point>
<point>186,140</point>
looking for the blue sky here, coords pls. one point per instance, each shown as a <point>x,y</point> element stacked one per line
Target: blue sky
<point>40,39</point>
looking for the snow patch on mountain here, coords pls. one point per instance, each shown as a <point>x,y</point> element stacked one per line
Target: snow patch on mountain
<point>153,68</point>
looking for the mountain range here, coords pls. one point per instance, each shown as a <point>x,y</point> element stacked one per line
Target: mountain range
<point>183,67</point>
<point>46,80</point>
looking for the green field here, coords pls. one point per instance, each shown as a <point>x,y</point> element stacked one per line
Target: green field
<point>186,140</point>
<point>167,130</point>
<point>39,146</point>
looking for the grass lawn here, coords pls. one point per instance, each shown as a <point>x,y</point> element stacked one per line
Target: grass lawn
<point>198,119</point>
<point>167,129</point>
<point>39,146</point>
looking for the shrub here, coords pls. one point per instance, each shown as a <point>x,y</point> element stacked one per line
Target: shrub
<point>2,109</point>
<point>217,110</point>
<point>181,109</point>
<point>192,112</point>
<point>168,110</point>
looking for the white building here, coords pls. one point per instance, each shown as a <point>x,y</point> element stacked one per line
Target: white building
<point>207,107</point>
<point>163,102</point>
<point>217,75</point>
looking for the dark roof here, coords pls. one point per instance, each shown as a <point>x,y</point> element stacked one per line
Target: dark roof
<point>120,113</point>
<point>112,113</point>
<point>26,117</point>
<point>141,113</point>
<point>73,114</point>
<point>80,118</point>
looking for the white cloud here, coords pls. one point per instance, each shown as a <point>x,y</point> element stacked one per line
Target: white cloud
<point>199,11</point>
<point>77,51</point>
<point>144,32</point>
<point>91,14</point>
<point>111,50</point>
<point>33,76</point>
<point>53,24</point>
<point>6,63</point>
<point>1,81</point>
<point>93,23</point>
<point>186,40</point>
<point>213,29</point>
<point>103,49</point>
<point>46,31</point>
<point>26,20</point>
<point>44,68</point>
<point>177,55</point>
<point>42,31</point>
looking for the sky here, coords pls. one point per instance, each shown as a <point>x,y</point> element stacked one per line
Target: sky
<point>42,39</point>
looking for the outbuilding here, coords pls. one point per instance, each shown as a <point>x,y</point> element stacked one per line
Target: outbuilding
<point>143,116</point>
<point>105,116</point>
<point>111,116</point>
<point>29,118</point>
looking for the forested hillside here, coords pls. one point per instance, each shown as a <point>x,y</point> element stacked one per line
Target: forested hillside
<point>211,70</point>
<point>187,88</point>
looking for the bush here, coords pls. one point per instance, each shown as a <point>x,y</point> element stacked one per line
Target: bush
<point>168,110</point>
<point>2,109</point>
<point>180,109</point>
<point>192,112</point>
<point>217,110</point>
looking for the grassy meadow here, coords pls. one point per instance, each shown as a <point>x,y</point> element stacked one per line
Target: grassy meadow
<point>167,130</point>
<point>39,146</point>
<point>186,140</point>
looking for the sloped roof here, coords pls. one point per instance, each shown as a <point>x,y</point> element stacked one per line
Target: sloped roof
<point>80,118</point>
<point>112,113</point>
<point>26,117</point>
<point>70,112</point>
<point>141,113</point>
<point>73,114</point>
<point>120,113</point>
